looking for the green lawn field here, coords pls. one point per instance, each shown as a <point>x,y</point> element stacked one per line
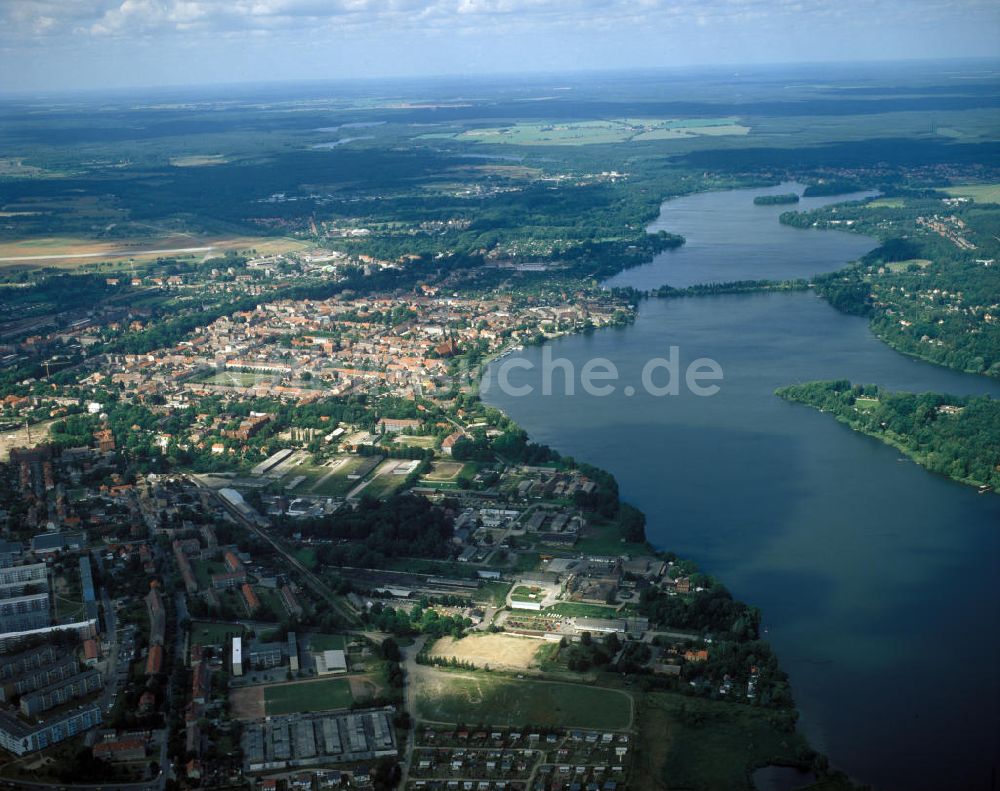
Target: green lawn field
<point>326,481</point>
<point>384,481</point>
<point>327,642</point>
<point>498,700</point>
<point>526,593</point>
<point>331,693</point>
<point>980,193</point>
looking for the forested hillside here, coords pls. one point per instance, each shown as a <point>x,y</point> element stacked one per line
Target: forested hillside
<point>957,437</point>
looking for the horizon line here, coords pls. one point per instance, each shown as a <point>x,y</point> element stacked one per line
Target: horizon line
<point>485,75</point>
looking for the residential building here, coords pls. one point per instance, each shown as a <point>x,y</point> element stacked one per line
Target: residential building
<point>37,677</point>
<point>237,657</point>
<point>20,737</point>
<point>60,692</point>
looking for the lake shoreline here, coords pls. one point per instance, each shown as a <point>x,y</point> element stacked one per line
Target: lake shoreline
<point>804,530</point>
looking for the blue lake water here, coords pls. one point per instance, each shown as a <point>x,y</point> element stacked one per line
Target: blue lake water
<point>728,238</point>
<point>877,580</point>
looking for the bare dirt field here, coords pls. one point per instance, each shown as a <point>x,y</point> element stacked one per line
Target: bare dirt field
<point>19,438</point>
<point>444,471</point>
<point>365,688</point>
<point>247,703</point>
<point>494,650</point>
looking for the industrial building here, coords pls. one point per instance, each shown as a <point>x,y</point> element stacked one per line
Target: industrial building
<point>330,662</point>
<point>49,543</point>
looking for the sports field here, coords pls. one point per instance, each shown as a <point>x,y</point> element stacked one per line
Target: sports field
<point>489,650</point>
<point>444,471</point>
<point>328,693</point>
<point>474,698</point>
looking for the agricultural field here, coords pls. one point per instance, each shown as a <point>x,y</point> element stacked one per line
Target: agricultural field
<point>980,193</point>
<point>321,695</point>
<point>581,133</point>
<point>208,633</point>
<point>452,697</point>
<point>490,650</point>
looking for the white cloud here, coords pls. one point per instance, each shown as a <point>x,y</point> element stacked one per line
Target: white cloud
<point>27,19</point>
<point>257,37</point>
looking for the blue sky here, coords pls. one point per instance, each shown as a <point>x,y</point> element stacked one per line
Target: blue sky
<point>59,44</point>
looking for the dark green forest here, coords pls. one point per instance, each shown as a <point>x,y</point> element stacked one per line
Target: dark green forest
<point>957,437</point>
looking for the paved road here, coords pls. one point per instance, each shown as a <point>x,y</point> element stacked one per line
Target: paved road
<point>489,613</point>
<point>410,666</point>
<point>149,785</point>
